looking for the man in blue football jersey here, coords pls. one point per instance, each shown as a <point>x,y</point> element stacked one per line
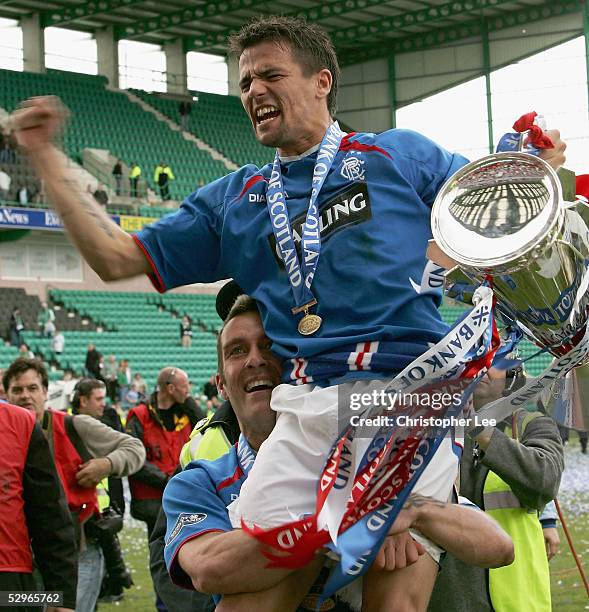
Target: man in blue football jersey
<point>329,239</point>
<point>202,549</point>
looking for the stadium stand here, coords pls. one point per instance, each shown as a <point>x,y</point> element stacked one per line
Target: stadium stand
<point>220,122</point>
<point>7,354</point>
<point>135,327</point>
<point>200,308</point>
<point>22,175</point>
<point>29,306</point>
<point>105,119</point>
<point>154,212</point>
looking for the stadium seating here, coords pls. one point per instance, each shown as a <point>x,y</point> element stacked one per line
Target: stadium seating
<point>136,327</point>
<point>155,212</point>
<point>221,122</point>
<point>7,354</point>
<point>106,119</point>
<point>200,308</point>
<point>22,175</point>
<point>29,306</point>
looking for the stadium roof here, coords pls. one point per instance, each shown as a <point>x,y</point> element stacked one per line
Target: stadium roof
<point>361,29</point>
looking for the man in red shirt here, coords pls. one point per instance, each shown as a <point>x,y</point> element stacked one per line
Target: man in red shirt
<point>31,489</point>
<point>110,453</point>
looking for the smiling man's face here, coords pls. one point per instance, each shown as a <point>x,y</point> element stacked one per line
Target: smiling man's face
<point>250,370</point>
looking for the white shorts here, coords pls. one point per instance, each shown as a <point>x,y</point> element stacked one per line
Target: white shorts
<point>282,484</point>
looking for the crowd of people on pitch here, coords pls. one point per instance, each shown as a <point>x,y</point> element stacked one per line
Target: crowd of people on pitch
<point>167,430</point>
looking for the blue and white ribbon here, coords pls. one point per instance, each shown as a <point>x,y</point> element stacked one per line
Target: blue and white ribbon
<point>302,279</point>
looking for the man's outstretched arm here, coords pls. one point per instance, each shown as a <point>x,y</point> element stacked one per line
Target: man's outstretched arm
<point>209,559</point>
<point>466,532</point>
<point>111,252</point>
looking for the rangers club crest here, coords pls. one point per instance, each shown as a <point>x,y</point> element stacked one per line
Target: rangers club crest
<point>352,169</point>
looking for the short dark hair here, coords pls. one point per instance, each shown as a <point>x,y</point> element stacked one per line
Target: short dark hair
<point>243,304</point>
<point>20,366</point>
<point>84,387</point>
<point>309,43</point>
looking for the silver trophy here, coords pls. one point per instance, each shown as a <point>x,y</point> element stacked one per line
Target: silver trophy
<point>503,219</point>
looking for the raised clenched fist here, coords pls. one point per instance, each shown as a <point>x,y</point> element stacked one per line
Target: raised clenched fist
<point>38,121</point>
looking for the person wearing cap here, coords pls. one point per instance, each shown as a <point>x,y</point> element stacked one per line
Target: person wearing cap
<point>215,434</point>
<point>213,439</point>
<point>203,552</point>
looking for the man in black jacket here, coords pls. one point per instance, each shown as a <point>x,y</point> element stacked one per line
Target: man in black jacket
<point>175,598</point>
<point>92,362</point>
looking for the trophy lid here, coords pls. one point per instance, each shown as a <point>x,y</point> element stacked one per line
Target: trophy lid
<point>493,210</point>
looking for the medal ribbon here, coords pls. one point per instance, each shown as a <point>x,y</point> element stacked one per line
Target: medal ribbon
<point>360,543</point>
<point>504,406</point>
<point>301,280</point>
<point>365,526</point>
<point>245,455</point>
<point>582,183</point>
<point>536,135</point>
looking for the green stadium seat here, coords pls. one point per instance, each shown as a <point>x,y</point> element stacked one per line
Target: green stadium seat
<point>106,119</point>
<point>213,119</point>
<point>146,335</point>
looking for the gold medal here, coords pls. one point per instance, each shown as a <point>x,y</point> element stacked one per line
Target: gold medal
<point>309,324</point>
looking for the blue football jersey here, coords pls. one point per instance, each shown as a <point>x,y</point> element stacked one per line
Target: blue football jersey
<point>375,211</point>
<point>195,501</point>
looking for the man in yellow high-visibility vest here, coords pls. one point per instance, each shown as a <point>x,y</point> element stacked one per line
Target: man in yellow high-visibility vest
<point>162,176</point>
<point>134,175</point>
<point>511,471</point>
